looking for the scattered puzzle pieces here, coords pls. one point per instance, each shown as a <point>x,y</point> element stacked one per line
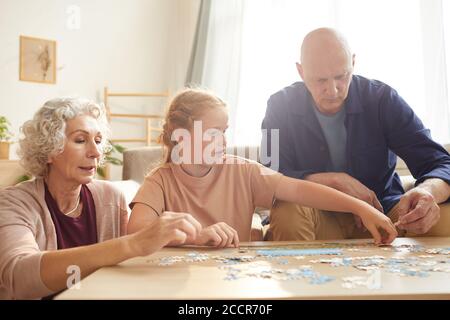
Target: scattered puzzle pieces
<point>406,261</point>
<point>298,252</point>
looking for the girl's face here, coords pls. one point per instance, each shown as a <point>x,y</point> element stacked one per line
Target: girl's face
<point>208,142</point>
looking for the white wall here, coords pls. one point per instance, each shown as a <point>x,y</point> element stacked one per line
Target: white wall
<point>134,46</point>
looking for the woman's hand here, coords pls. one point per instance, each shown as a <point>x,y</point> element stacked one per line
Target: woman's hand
<point>375,221</point>
<point>218,235</point>
<point>171,228</point>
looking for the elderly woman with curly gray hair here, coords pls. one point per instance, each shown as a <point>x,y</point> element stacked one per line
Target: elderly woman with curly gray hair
<point>64,220</point>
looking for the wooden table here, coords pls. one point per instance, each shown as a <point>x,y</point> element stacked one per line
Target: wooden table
<point>146,278</point>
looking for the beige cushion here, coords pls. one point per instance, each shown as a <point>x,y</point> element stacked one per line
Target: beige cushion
<point>137,162</point>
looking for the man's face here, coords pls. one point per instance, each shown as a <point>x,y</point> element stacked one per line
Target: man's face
<point>327,77</point>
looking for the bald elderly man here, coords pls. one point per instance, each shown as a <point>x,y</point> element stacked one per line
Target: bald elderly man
<point>345,131</point>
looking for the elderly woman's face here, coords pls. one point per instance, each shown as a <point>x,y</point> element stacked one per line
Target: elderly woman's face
<point>78,162</point>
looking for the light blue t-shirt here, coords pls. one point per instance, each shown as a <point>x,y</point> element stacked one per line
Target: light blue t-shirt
<point>333,127</point>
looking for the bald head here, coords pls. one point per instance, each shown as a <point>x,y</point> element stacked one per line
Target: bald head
<point>324,41</point>
<point>326,67</point>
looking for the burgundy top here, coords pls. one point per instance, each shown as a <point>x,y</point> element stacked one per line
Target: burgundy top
<point>74,232</point>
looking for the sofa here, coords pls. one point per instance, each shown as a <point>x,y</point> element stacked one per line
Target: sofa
<point>137,162</point>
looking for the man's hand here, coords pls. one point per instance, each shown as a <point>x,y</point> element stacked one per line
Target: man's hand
<point>349,185</point>
<point>418,211</point>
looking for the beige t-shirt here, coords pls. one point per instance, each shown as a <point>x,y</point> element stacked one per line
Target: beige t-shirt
<point>229,193</point>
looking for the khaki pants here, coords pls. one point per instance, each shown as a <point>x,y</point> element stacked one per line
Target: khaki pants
<point>290,222</point>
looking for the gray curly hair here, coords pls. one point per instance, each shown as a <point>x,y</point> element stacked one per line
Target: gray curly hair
<point>45,134</point>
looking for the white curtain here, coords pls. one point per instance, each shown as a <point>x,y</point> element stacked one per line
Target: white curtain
<point>220,52</point>
<point>254,44</point>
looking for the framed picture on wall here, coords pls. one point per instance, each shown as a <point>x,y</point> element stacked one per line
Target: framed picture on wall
<point>37,60</point>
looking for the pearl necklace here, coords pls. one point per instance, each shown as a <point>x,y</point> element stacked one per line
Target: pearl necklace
<point>76,207</point>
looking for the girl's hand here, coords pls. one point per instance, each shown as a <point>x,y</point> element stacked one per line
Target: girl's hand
<point>375,221</point>
<point>218,235</point>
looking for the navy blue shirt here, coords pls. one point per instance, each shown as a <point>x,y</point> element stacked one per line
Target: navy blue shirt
<point>380,125</point>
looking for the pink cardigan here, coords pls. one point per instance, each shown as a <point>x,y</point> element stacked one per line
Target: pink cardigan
<point>27,230</point>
